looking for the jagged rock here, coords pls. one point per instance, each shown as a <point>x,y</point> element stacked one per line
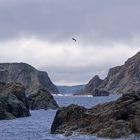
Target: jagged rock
<point>115,119</point>
<point>124,78</point>
<point>27,75</point>
<point>13,102</point>
<point>92,85</point>
<point>98,92</point>
<point>120,79</point>
<point>42,99</point>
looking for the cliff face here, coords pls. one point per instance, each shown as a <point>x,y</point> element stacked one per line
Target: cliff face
<point>124,78</point>
<point>120,79</point>
<point>27,75</point>
<point>94,83</point>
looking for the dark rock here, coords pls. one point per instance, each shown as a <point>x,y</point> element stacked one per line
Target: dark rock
<point>120,79</point>
<point>68,133</point>
<point>124,78</point>
<point>115,119</point>
<point>93,84</point>
<point>13,102</point>
<point>98,92</point>
<point>42,99</point>
<point>27,75</point>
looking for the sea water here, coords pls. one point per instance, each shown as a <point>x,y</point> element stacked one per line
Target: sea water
<point>37,126</point>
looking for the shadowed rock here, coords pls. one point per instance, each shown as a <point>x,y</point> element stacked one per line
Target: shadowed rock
<point>13,102</point>
<point>114,119</point>
<point>98,92</point>
<point>42,99</point>
<point>93,84</point>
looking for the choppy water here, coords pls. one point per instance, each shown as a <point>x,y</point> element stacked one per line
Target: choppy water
<point>37,127</point>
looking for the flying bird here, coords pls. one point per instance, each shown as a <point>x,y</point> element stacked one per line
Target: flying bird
<point>74,39</point>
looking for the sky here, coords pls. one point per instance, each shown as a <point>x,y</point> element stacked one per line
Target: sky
<point>40,32</point>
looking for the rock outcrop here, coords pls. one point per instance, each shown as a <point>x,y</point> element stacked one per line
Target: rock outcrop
<point>98,92</point>
<point>27,75</point>
<point>124,78</point>
<point>13,101</point>
<point>93,84</point>
<point>42,99</point>
<point>91,88</point>
<point>115,119</point>
<point>120,79</point>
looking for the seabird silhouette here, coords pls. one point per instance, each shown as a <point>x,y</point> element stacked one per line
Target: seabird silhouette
<point>74,39</point>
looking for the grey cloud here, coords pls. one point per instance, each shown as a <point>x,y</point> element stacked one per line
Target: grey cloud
<point>95,23</point>
<point>89,20</point>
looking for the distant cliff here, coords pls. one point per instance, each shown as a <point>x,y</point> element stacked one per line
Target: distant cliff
<point>27,75</point>
<point>70,89</point>
<point>120,79</point>
<point>94,83</point>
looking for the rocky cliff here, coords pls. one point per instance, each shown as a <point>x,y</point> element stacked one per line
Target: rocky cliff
<point>115,119</point>
<point>124,78</point>
<point>120,79</point>
<point>93,84</point>
<point>27,75</point>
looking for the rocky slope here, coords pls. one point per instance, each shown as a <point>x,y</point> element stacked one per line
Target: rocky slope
<point>94,83</point>
<point>124,78</point>
<point>42,99</point>
<point>114,119</point>
<point>13,102</point>
<point>120,79</point>
<point>27,75</point>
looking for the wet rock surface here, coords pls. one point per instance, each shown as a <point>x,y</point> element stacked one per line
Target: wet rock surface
<point>42,99</point>
<point>13,101</point>
<point>115,119</point>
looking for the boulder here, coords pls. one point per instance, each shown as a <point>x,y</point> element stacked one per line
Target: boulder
<point>42,99</point>
<point>115,119</point>
<point>13,101</point>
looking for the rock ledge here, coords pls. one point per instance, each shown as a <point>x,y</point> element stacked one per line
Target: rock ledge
<point>115,119</point>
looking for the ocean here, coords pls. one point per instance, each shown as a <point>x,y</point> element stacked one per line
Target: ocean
<point>37,126</point>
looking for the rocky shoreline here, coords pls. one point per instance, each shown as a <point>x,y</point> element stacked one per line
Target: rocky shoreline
<point>115,119</point>
<point>14,103</point>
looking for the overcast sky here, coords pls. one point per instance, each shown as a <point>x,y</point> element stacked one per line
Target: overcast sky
<point>40,32</point>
